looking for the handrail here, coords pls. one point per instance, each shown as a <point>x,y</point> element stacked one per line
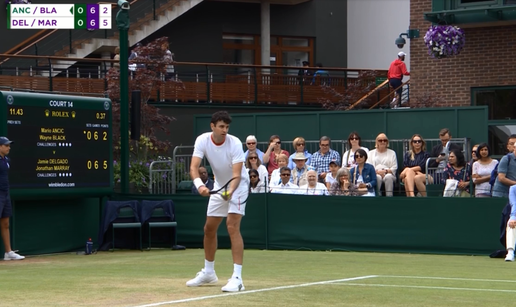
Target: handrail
<point>34,41</point>
<point>388,96</point>
<point>367,95</point>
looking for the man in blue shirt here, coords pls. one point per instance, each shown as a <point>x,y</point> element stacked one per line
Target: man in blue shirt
<point>5,200</point>
<point>511,226</point>
<point>506,170</point>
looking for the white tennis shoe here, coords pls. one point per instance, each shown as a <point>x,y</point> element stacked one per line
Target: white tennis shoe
<point>510,255</point>
<point>234,284</point>
<point>13,256</point>
<point>202,278</point>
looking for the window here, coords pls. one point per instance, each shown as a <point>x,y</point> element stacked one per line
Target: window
<point>474,3</point>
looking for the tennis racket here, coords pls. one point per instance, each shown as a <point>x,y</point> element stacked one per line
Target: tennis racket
<point>223,191</point>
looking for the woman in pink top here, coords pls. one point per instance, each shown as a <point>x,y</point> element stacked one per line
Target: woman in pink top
<point>271,155</point>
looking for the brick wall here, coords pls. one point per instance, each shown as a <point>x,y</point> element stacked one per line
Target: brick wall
<point>488,59</point>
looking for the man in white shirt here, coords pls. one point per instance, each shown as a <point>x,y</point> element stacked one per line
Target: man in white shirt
<point>226,157</point>
<point>313,187</point>
<point>285,186</point>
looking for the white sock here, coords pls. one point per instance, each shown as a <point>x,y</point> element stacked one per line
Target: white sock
<point>510,251</point>
<point>209,266</point>
<point>237,270</point>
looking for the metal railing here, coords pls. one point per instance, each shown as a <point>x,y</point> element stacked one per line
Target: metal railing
<point>162,177</point>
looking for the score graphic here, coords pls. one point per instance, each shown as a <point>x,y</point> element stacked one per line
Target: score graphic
<point>59,16</point>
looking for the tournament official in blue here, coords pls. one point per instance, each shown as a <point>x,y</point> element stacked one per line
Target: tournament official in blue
<point>5,200</point>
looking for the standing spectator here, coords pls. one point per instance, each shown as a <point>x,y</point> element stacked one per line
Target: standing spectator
<point>252,162</point>
<point>273,151</point>
<point>322,158</point>
<point>251,143</point>
<point>117,57</point>
<point>323,75</point>
<point>169,58</point>
<point>208,182</point>
<point>299,146</point>
<point>363,175</point>
<point>414,161</point>
<point>395,76</point>
<point>506,170</point>
<point>5,199</point>
<point>458,169</point>
<point>342,185</point>
<point>134,54</point>
<point>354,143</point>
<point>304,73</point>
<point>385,164</point>
<point>332,174</point>
<point>482,169</point>
<point>313,187</point>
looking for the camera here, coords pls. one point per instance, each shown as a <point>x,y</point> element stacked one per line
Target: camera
<point>400,42</point>
<point>123,4</point>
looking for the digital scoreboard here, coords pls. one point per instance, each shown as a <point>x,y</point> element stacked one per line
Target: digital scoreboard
<point>59,16</point>
<point>60,142</point>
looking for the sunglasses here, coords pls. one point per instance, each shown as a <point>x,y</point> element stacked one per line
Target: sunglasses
<point>383,141</point>
<point>417,141</point>
<point>278,142</point>
<point>353,139</point>
<point>253,176</point>
<point>301,144</point>
<point>359,156</point>
<point>251,143</point>
<point>285,175</point>
<point>253,158</point>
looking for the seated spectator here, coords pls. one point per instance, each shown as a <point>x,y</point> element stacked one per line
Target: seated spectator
<point>313,187</point>
<point>117,57</point>
<point>275,176</point>
<point>331,175</point>
<point>252,162</point>
<point>385,163</point>
<point>256,185</point>
<point>414,162</point>
<point>300,171</point>
<point>208,182</point>
<point>342,185</point>
<point>354,143</point>
<point>251,143</point>
<point>299,146</point>
<point>270,157</point>
<point>440,151</point>
<point>285,186</point>
<point>482,169</point>
<point>474,156</point>
<point>458,169</point>
<point>511,226</point>
<point>363,175</point>
<point>506,170</point>
<point>323,74</point>
<point>322,158</point>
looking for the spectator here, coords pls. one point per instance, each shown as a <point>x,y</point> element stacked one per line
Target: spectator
<point>440,151</point>
<point>208,182</point>
<point>300,171</point>
<point>474,156</point>
<point>169,58</point>
<point>324,75</point>
<point>134,54</point>
<point>395,76</point>
<point>332,174</point>
<point>363,175</point>
<point>252,162</point>
<point>275,176</point>
<point>322,158</point>
<point>304,73</point>
<point>354,143</point>
<point>251,143</point>
<point>506,170</point>
<point>313,187</point>
<point>414,162</point>
<point>457,169</point>
<point>299,146</point>
<point>256,185</point>
<point>285,186</point>
<point>385,163</point>
<point>511,226</point>
<point>117,57</point>
<point>342,185</point>
<point>270,157</point>
<point>482,169</point>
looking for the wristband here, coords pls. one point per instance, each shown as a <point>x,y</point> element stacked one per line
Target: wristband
<point>198,183</point>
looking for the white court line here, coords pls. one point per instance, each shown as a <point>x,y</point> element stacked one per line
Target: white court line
<point>446,278</point>
<point>426,287</point>
<point>257,290</point>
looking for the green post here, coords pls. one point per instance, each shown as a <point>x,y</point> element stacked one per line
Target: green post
<point>122,22</point>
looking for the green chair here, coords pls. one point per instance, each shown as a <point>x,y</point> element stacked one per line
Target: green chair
<point>159,214</point>
<point>185,185</point>
<point>133,221</point>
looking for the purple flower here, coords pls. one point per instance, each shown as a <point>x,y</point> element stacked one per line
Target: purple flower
<point>443,41</point>
<point>147,164</point>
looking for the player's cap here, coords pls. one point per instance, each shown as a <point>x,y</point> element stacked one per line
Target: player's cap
<point>299,156</point>
<point>333,162</point>
<point>401,53</point>
<point>5,141</point>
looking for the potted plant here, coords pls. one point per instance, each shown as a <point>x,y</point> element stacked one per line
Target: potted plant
<point>444,41</point>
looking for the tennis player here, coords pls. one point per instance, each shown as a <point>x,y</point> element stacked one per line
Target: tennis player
<point>226,157</point>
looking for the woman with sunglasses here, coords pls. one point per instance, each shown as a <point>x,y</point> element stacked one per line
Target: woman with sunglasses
<point>354,143</point>
<point>299,146</point>
<point>385,164</point>
<point>342,185</point>
<point>363,175</point>
<point>273,151</point>
<point>482,169</point>
<point>414,162</point>
<point>256,185</point>
<point>253,162</point>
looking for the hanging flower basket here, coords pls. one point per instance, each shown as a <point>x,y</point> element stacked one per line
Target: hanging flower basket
<point>444,41</point>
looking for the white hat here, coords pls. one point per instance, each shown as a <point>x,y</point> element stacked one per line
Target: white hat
<point>401,53</point>
<point>299,156</point>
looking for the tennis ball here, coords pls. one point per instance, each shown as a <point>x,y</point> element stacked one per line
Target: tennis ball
<point>225,194</point>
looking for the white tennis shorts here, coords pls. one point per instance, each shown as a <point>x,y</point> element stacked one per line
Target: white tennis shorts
<point>217,206</point>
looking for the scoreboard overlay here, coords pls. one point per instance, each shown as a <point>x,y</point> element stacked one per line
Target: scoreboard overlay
<point>60,142</point>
